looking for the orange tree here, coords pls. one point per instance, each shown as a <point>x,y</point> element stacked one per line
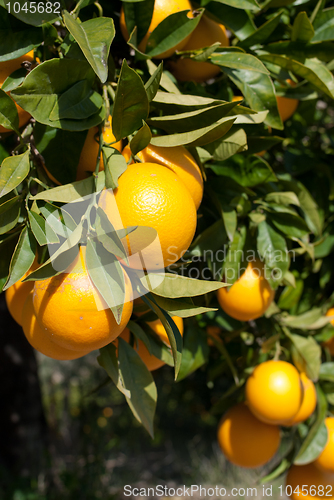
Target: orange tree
<point>268,188</point>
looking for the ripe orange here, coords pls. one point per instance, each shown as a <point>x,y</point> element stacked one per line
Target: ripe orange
<point>162,9</point>
<point>309,483</point>
<point>287,106</point>
<point>245,440</point>
<point>237,98</point>
<point>7,68</point>
<point>90,150</point>
<point>180,161</point>
<point>151,361</point>
<point>325,460</point>
<point>309,401</point>
<point>205,34</point>
<point>274,392</point>
<point>72,312</point>
<point>213,331</point>
<point>17,294</point>
<point>250,296</point>
<point>152,196</point>
<point>37,337</point>
<point>330,343</point>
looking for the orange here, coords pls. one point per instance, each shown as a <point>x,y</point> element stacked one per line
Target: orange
<point>330,343</point>
<point>287,106</point>
<point>90,150</point>
<point>39,340</point>
<point>245,440</point>
<point>6,69</point>
<point>72,312</point>
<point>152,196</point>
<point>237,98</point>
<point>152,362</point>
<point>274,392</point>
<point>180,161</point>
<point>205,34</point>
<point>309,401</point>
<point>162,9</point>
<point>309,483</point>
<point>17,294</point>
<point>325,460</point>
<point>250,296</point>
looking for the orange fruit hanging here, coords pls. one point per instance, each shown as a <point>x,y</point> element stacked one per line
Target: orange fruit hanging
<point>17,294</point>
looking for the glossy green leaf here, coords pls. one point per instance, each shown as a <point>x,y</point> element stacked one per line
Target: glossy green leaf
<point>15,43</point>
<point>13,171</point>
<point>290,225</point>
<point>9,117</point>
<point>61,150</point>
<point>237,20</point>
<point>9,214</point>
<point>324,26</point>
<point>76,191</point>
<point>198,137</point>
<point>23,257</point>
<point>108,360</point>
<point>37,224</point>
<point>262,34</point>
<point>141,139</point>
<point>115,165</point>
<point>327,371</point>
<point>131,103</point>
<point>77,103</point>
<point>233,264</point>
<point>108,236</point>
<point>138,14</point>
<point>233,142</point>
<point>14,80</point>
<point>58,219</point>
<point>94,38</point>
<point>249,172</point>
<point>107,275</point>
<point>174,285</point>
<point>183,307</point>
<point>272,248</point>
<point>302,29</point>
<point>152,85</point>
<point>58,265</point>
<point>240,61</point>
<point>310,320</point>
<point>283,198</point>
<point>257,144</point>
<point>195,351</point>
<point>306,355</point>
<point>139,382</point>
<point>241,4</point>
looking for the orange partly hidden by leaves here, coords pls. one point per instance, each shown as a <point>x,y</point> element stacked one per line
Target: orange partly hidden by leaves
<point>245,440</point>
<point>17,294</point>
<point>152,362</point>
<point>274,392</point>
<point>162,9</point>
<point>154,197</point>
<point>250,296</point>
<point>329,344</point>
<point>214,333</point>
<point>206,33</point>
<point>325,460</point>
<point>309,483</point>
<point>309,401</point>
<point>37,337</point>
<point>6,69</point>
<point>287,106</point>
<point>180,161</point>
<point>72,312</point>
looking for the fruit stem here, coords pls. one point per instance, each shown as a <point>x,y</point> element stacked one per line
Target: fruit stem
<point>75,11</point>
<point>278,350</point>
<point>99,8</point>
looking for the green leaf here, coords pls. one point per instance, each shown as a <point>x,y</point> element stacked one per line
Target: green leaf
<point>241,4</point>
<point>23,257</point>
<point>43,87</point>
<point>165,82</point>
<point>77,103</point>
<point>302,29</point>
<point>131,104</point>
<point>211,239</point>
<point>37,224</point>
<point>317,436</point>
<point>183,307</point>
<point>234,258</point>
<point>107,275</point>
<point>312,70</point>
<point>170,32</point>
<point>76,191</point>
<point>14,80</point>
<point>282,198</point>
<point>14,43</point>
<point>291,295</point>
<point>195,351</point>
<point>154,346</point>
<point>108,236</point>
<point>290,225</point>
<point>232,143</point>
<point>272,248</point>
<point>237,20</point>
<point>262,34</point>
<point>94,38</point>
<point>173,103</point>
<point>9,117</point>
<point>141,139</point>
<point>257,144</point>
<point>29,16</point>
<point>108,360</point>
<point>152,85</point>
<point>9,214</point>
<point>138,14</point>
<point>249,171</point>
<point>61,150</point>
<point>324,26</point>
<point>13,171</point>
<point>306,355</point>
<point>139,382</point>
<point>198,137</point>
<point>174,285</point>
<point>114,166</point>
<point>327,371</point>
<point>192,120</point>
<point>58,219</point>
<point>239,61</point>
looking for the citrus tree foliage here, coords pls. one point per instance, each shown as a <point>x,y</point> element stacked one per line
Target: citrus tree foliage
<point>277,205</point>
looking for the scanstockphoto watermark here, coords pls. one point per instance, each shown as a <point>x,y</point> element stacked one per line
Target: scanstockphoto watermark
<point>230,265</point>
<point>194,490</point>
